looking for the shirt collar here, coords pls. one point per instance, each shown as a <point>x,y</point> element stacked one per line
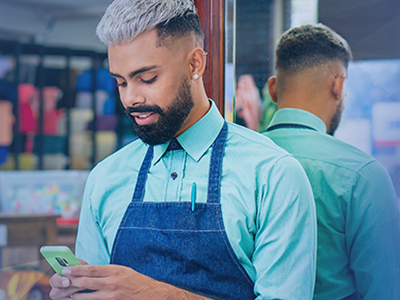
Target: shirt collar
<point>298,116</point>
<point>197,138</point>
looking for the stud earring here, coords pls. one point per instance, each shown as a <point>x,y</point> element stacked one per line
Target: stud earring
<point>195,76</point>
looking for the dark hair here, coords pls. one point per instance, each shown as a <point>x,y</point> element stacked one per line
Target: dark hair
<point>310,45</point>
<point>180,26</point>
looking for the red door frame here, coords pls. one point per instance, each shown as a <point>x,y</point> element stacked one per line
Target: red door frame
<point>212,15</point>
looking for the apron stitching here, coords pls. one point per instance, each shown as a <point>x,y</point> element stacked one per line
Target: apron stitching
<point>173,202</point>
<point>172,230</point>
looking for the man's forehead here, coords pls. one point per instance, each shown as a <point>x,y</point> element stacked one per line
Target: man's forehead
<point>144,45</point>
<point>151,41</point>
<point>142,52</point>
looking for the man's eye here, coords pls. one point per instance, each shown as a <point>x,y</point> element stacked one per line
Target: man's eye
<point>150,80</point>
<point>122,84</point>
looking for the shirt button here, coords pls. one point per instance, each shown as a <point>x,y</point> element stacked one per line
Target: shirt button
<point>174,175</point>
<point>174,145</point>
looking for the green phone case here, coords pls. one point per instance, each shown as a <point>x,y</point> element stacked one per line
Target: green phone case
<point>59,257</point>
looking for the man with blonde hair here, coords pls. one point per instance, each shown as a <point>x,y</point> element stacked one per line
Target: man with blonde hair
<point>217,212</point>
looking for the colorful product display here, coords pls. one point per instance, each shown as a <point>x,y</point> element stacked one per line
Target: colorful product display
<point>42,192</point>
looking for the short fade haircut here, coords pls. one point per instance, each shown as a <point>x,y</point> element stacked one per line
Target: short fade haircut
<point>308,46</point>
<point>124,20</point>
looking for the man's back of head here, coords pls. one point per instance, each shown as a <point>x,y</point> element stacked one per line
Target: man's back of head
<point>310,46</point>
<point>311,67</point>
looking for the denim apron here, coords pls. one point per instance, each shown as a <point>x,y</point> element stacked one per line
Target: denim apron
<point>169,242</point>
<point>354,296</point>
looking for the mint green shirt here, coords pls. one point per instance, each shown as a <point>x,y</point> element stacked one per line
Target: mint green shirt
<point>357,213</point>
<point>266,201</point>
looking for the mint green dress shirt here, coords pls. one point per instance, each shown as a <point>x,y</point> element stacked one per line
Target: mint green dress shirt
<point>357,212</point>
<point>266,201</point>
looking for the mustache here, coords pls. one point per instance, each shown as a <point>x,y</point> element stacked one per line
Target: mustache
<point>144,108</point>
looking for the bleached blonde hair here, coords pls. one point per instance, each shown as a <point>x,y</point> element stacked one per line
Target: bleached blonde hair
<point>126,19</point>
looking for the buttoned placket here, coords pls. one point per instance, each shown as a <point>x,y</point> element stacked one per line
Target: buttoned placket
<point>174,161</point>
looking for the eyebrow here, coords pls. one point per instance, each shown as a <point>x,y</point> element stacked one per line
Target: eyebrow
<point>134,73</point>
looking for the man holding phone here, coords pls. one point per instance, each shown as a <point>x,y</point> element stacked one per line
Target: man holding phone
<point>217,212</point>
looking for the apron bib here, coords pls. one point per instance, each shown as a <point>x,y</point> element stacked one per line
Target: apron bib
<point>169,242</point>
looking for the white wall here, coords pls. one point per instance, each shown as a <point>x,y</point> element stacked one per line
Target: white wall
<point>61,23</point>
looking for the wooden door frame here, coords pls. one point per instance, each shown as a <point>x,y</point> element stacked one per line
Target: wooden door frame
<point>212,16</point>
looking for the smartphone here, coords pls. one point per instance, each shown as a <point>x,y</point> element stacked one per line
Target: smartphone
<point>59,257</point>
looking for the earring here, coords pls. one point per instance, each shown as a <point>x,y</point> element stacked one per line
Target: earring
<point>205,53</point>
<point>195,76</point>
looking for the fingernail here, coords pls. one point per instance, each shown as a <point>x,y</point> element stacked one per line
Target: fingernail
<point>66,272</point>
<point>65,282</point>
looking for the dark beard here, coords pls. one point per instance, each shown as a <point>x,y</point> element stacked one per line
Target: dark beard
<point>335,120</point>
<point>170,120</point>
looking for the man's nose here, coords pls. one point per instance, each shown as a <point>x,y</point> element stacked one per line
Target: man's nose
<point>132,97</point>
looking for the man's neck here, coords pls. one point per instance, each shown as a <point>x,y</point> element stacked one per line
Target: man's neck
<point>314,105</point>
<point>199,110</point>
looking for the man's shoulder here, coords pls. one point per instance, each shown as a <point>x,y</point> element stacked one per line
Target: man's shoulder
<point>252,140</point>
<point>254,151</point>
<point>345,155</point>
<point>351,164</point>
<point>311,146</point>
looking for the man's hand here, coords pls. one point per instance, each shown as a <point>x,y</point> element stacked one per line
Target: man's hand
<point>111,282</point>
<point>61,286</point>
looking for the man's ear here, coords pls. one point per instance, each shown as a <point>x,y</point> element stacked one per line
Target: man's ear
<point>338,87</point>
<point>272,89</point>
<point>197,61</point>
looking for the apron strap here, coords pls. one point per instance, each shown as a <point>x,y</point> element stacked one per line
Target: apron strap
<point>214,177</point>
<point>277,126</point>
<point>142,177</point>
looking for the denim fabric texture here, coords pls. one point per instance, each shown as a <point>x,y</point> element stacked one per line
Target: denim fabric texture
<point>188,249</point>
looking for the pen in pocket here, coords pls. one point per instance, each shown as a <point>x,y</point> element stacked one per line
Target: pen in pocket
<point>193,195</point>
